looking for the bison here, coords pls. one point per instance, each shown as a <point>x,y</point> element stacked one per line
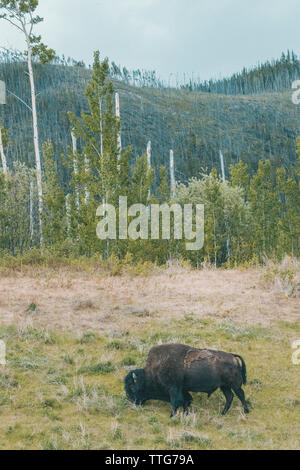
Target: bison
<point>174,370</point>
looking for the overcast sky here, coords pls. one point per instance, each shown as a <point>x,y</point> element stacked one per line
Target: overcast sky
<point>207,38</point>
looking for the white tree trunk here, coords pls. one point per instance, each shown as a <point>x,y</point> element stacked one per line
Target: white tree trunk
<point>74,144</point>
<point>101,128</point>
<point>75,164</point>
<point>224,181</point>
<point>172,173</point>
<point>3,157</point>
<point>149,148</point>
<point>118,115</point>
<point>2,92</point>
<point>31,211</point>
<point>222,166</point>
<point>68,214</point>
<point>35,135</point>
<point>87,169</point>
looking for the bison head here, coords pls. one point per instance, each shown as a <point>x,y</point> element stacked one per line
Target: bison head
<point>135,386</point>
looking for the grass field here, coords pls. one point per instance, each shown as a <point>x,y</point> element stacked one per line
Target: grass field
<point>72,337</point>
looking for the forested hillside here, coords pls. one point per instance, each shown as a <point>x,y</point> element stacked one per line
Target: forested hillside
<point>275,75</point>
<point>251,216</point>
<point>258,121</point>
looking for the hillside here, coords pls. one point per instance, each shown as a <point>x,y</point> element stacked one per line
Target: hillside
<point>195,124</point>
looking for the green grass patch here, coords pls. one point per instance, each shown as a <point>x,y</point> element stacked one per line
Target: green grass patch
<point>61,391</point>
<point>96,369</point>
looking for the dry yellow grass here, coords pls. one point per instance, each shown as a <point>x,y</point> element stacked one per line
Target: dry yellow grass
<point>81,301</point>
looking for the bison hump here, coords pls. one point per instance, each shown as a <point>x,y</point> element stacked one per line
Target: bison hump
<point>197,355</point>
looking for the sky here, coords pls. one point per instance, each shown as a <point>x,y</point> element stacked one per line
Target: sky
<point>177,38</point>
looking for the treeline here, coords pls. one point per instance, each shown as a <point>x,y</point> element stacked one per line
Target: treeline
<point>140,77</point>
<point>255,214</point>
<point>271,76</point>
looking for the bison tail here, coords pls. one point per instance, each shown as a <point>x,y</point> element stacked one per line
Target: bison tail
<point>244,369</point>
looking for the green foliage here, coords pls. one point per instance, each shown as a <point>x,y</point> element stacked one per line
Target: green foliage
<point>247,219</point>
<point>5,135</point>
<point>41,51</point>
<point>240,177</point>
<point>101,172</point>
<point>54,216</point>
<point>163,190</point>
<point>15,234</point>
<point>21,13</point>
<point>226,216</point>
<point>265,210</point>
<point>289,223</point>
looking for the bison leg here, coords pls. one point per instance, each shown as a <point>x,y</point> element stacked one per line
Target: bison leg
<point>176,399</point>
<point>187,402</point>
<point>209,394</point>
<point>229,397</point>
<point>241,395</point>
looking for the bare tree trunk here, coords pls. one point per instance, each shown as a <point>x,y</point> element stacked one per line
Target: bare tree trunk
<point>2,92</point>
<point>75,164</point>
<point>3,157</point>
<point>74,144</point>
<point>172,173</point>
<point>224,181</point>
<point>222,166</point>
<point>31,212</point>
<point>35,135</point>
<point>101,128</point>
<point>118,115</point>
<point>68,214</point>
<point>87,169</point>
<point>149,148</point>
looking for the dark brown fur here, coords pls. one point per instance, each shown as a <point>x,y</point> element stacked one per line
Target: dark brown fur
<point>174,370</point>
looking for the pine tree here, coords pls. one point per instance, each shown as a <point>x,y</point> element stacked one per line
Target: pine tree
<point>240,176</point>
<point>103,172</point>
<point>54,216</point>
<point>215,223</point>
<point>141,181</point>
<point>265,209</point>
<point>163,190</point>
<point>289,223</point>
<point>95,180</point>
<point>298,149</point>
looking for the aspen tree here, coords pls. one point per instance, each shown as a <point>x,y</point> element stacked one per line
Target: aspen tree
<point>172,173</point>
<point>3,143</point>
<point>22,15</point>
<point>118,115</point>
<point>149,150</point>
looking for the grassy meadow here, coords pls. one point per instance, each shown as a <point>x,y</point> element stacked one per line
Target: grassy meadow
<point>71,337</point>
